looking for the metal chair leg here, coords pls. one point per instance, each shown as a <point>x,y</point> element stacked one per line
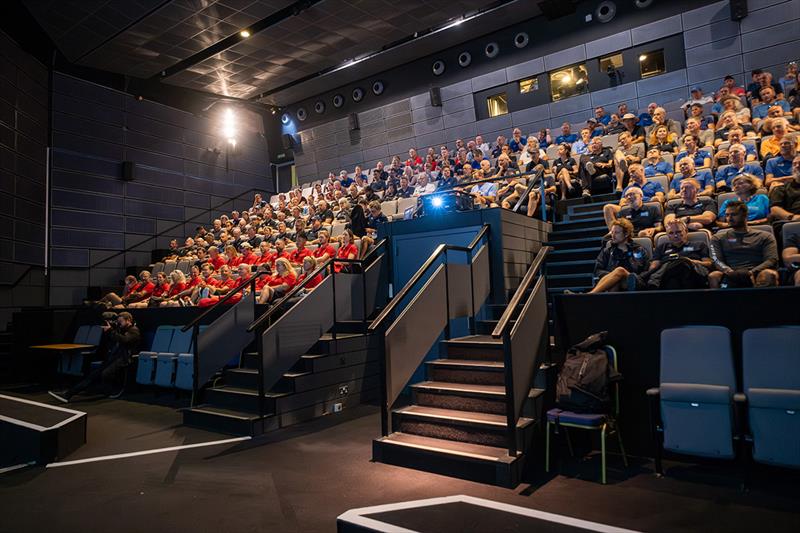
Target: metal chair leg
<point>622,447</point>
<point>569,443</point>
<point>547,449</point>
<point>603,454</point>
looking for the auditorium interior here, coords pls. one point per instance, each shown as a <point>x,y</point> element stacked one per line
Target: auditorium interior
<point>366,266</point>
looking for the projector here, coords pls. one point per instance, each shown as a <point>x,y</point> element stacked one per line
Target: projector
<point>446,201</point>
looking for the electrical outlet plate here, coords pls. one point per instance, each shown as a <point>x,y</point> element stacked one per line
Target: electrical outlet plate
<point>337,407</point>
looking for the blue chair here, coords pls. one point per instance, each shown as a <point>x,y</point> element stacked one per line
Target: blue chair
<point>74,362</point>
<point>695,413</point>
<point>771,381</point>
<point>605,423</point>
<point>166,363</point>
<point>145,372</point>
<point>184,373</point>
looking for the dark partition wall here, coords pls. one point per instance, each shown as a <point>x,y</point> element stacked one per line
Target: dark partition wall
<point>183,167</point>
<point>23,141</point>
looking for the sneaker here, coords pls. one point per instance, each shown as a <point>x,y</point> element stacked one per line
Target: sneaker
<point>623,165</point>
<point>590,168</point>
<point>586,193</point>
<point>60,396</point>
<point>632,282</point>
<point>567,291</point>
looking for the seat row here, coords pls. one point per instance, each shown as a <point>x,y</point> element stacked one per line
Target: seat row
<point>170,361</point>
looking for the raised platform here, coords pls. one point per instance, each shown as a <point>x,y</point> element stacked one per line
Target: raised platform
<point>461,513</point>
<point>33,432</point>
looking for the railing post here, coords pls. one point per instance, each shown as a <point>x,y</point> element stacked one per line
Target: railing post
<point>384,364</point>
<point>544,200</point>
<point>261,392</point>
<point>511,419</point>
<point>472,294</point>
<point>446,296</point>
<point>253,292</point>
<point>333,287</point>
<point>195,365</point>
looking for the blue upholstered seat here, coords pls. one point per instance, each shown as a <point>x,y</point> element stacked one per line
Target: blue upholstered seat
<point>146,369</point>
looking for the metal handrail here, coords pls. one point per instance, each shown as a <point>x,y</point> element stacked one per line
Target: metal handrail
<point>505,319</point>
<point>442,248</point>
<point>274,308</point>
<point>224,299</point>
<point>179,224</point>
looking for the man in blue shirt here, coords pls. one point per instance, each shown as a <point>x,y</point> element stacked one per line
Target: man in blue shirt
<point>779,169</point>
<point>651,191</point>
<point>686,167</point>
<point>346,180</point>
<point>654,165</point>
<point>725,175</point>
<point>566,135</point>
<point>646,119</point>
<point>767,96</point>
<point>597,129</point>
<point>581,146</point>
<point>517,141</point>
<point>601,116</point>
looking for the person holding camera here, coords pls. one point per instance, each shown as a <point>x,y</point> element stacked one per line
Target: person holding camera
<point>121,338</point>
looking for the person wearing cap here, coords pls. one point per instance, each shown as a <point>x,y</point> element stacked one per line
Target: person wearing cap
<point>631,125</point>
<point>697,97</point>
<point>730,82</point>
<point>596,128</point>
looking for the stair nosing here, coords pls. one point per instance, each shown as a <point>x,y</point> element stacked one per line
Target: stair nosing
<point>500,458</point>
<point>206,410</point>
<point>460,387</point>
<point>476,363</point>
<point>462,416</point>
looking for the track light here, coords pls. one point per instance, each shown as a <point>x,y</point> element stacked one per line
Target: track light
<point>245,33</point>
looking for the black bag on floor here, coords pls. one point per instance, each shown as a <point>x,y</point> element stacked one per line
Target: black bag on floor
<point>584,379</point>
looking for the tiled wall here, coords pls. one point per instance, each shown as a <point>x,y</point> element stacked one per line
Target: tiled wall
<point>715,46</point>
<point>179,176</point>
<point>23,141</point>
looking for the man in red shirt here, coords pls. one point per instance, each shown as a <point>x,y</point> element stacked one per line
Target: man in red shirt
<point>225,284</point>
<point>296,257</point>
<point>215,258</point>
<point>325,250</point>
<point>248,257</point>
<point>413,158</point>
<point>140,291</point>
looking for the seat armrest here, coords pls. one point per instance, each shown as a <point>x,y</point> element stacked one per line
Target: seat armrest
<point>740,397</point>
<point>654,392</point>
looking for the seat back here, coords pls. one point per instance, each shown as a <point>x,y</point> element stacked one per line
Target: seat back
<point>184,265</point>
<point>403,204</point>
<point>181,342</point>
<point>552,151</point>
<point>157,267</point>
<point>790,229</point>
<point>771,381</point>
<point>169,266</point>
<point>646,243</point>
<point>725,196</point>
<point>662,179</point>
<point>82,334</point>
<point>697,387</point>
<point>669,158</point>
<point>94,335</point>
<point>763,227</point>
<point>389,208</point>
<point>162,339</point>
<point>694,236</point>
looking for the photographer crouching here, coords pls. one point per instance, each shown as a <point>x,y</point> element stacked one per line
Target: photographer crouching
<point>121,339</point>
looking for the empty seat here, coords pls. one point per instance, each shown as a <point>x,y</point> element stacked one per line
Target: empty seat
<point>663,180</point>
<point>610,141</point>
<point>771,382</point>
<point>389,208</point>
<point>145,372</point>
<point>552,151</point>
<point>156,268</point>
<point>73,362</point>
<point>167,361</point>
<point>402,205</point>
<point>789,229</point>
<point>696,392</point>
<point>169,266</point>
<point>184,370</point>
<point>184,265</point>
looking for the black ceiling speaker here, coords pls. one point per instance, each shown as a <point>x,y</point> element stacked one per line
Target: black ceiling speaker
<point>338,100</point>
<point>491,50</point>
<point>358,94</point>
<point>377,88</point>
<point>553,9</point>
<point>438,67</point>
<point>605,11</point>
<point>464,59</point>
<point>436,97</point>
<point>642,4</point>
<point>319,107</point>
<point>128,170</point>
<point>301,113</point>
<point>738,9</point>
<point>352,120</point>
<point>288,141</point>
<point>521,40</point>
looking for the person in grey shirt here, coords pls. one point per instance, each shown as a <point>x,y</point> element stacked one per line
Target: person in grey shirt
<point>739,249</point>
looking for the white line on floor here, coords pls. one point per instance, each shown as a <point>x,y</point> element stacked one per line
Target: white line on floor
<point>147,452</point>
<point>15,467</point>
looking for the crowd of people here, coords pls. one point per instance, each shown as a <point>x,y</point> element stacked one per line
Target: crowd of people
<point>739,140</point>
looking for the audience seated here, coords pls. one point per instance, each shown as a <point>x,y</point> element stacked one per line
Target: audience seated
<point>620,261</point>
<point>677,261</point>
<point>784,199</point>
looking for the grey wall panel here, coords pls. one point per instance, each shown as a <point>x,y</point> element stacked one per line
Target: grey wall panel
<point>657,30</point>
<point>377,139</point>
<point>421,114</point>
<point>352,159</point>
<point>532,114</point>
<point>770,16</point>
<point>570,105</point>
<point>782,53</point>
<point>614,95</point>
<point>466,132</point>
<point>490,79</point>
<point>370,115</point>
<point>397,134</point>
<point>329,165</point>
<point>606,45</point>
<point>715,69</point>
<point>64,257</point>
<point>402,119</point>
<point>153,210</point>
<point>87,239</point>
<point>710,32</point>
<point>565,57</point>
<point>378,152</point>
<point>525,69</point>
<point>458,103</point>
<point>715,51</point>
<point>706,15</point>
<point>578,120</point>
<point>436,139</point>
<point>672,95</point>
<point>772,36</point>
<point>503,122</point>
<point>326,153</point>
<point>401,106</point>
<point>78,219</point>
<point>533,127</point>
<point>428,126</point>
<point>399,148</point>
<point>89,202</point>
<point>82,182</point>
<point>656,84</point>
<point>459,118</point>
<point>142,226</point>
<point>761,4</point>
<point>457,89</point>
<point>419,100</point>
<point>366,130</point>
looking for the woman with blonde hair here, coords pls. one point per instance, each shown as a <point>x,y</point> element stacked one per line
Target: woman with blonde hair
<point>177,290</point>
<point>309,266</point>
<point>234,257</point>
<point>663,139</point>
<point>280,282</point>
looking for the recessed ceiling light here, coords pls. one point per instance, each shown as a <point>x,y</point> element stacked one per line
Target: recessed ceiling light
<point>245,33</point>
<point>642,57</point>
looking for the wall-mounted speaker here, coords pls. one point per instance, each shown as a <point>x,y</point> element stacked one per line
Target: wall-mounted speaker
<point>338,100</point>
<point>605,11</point>
<point>464,59</point>
<point>288,141</point>
<point>642,4</point>
<point>319,107</point>
<point>128,170</point>
<point>521,40</point>
<point>358,94</point>
<point>302,114</point>
<point>436,97</point>
<point>491,50</point>
<point>738,9</point>
<point>438,67</point>
<point>352,120</point>
<point>377,88</point>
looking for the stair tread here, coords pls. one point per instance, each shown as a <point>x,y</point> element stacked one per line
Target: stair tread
<point>253,371</point>
<point>564,223</point>
<point>564,276</point>
<point>230,413</point>
<point>450,447</point>
<point>476,363</point>
<point>248,392</point>
<point>461,416</point>
<point>475,339</point>
<point>573,250</point>
<point>491,390</point>
<point>591,239</point>
<point>340,336</point>
<point>576,262</point>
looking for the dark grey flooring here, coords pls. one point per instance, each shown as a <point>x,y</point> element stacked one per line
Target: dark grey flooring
<point>302,478</point>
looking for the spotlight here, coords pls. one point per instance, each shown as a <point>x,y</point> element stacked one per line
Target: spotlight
<point>274,110</point>
<point>642,57</point>
<point>437,201</point>
<point>245,33</point>
<point>229,126</point>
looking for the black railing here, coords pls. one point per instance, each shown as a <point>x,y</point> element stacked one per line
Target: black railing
<point>380,320</point>
<point>521,365</point>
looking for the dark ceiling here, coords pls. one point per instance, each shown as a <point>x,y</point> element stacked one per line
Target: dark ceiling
<point>196,43</point>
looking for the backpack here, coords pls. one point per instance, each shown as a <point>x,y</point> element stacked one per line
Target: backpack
<point>584,379</point>
<point>682,273</point>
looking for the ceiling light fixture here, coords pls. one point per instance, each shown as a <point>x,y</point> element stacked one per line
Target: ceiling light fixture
<point>229,126</point>
<point>245,33</point>
<point>642,57</point>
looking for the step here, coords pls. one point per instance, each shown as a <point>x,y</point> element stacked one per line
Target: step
<point>575,254</point>
<point>461,396</point>
<point>486,327</point>
<point>577,242</point>
<point>582,233</point>
<point>474,462</point>
<point>569,267</point>
<point>482,347</point>
<point>240,399</point>
<point>228,421</point>
<point>247,378</point>
<point>568,281</point>
<point>497,310</point>
<point>590,222</point>
<point>470,371</point>
<point>463,426</point>
<point>576,289</point>
<point>575,203</point>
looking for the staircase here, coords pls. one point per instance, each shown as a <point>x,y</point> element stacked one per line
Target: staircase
<point>456,423</point>
<point>334,375</point>
<point>576,240</point>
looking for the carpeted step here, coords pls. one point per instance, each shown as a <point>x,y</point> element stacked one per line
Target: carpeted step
<point>587,223</point>
<point>470,371</point>
<point>475,462</point>
<point>486,327</point>
<point>460,396</point>
<point>569,281</point>
<point>463,426</point>
<point>597,231</point>
<point>577,242</point>
<point>228,421</point>
<point>576,289</point>
<point>569,267</point>
<point>239,399</point>
<point>481,347</point>
<point>575,254</point>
